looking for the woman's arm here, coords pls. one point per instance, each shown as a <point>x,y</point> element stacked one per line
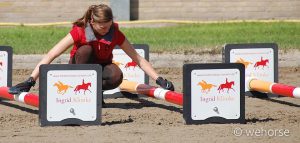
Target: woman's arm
<point>142,62</point>
<point>57,50</point>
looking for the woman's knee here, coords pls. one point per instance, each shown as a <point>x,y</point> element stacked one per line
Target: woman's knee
<point>112,76</point>
<point>83,54</point>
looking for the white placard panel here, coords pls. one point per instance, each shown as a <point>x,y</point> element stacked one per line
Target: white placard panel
<point>259,62</point>
<point>131,71</point>
<point>3,68</point>
<point>215,93</point>
<point>72,94</point>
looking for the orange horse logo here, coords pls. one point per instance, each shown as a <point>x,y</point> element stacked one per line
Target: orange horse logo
<point>130,64</point>
<point>246,63</point>
<point>262,63</point>
<point>62,88</point>
<point>83,86</point>
<point>227,85</point>
<point>117,63</point>
<point>206,86</point>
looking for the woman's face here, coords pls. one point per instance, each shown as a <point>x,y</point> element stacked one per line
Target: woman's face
<point>101,27</point>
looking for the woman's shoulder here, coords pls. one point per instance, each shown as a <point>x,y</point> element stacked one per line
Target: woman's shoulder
<point>116,25</point>
<point>78,30</point>
<point>75,27</point>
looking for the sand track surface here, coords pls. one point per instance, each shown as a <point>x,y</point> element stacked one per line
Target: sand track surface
<point>152,120</point>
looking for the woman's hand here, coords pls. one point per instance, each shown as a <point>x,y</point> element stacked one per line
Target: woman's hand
<point>22,87</point>
<point>164,83</point>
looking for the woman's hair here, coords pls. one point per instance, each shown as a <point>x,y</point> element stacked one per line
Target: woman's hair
<point>99,13</point>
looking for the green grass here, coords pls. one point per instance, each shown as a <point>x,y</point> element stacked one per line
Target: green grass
<point>31,40</point>
<point>180,38</point>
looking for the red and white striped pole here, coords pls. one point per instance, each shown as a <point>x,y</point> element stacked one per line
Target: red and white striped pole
<point>25,97</point>
<point>275,88</point>
<point>151,91</point>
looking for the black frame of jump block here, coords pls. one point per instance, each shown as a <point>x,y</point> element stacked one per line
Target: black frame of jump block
<point>43,94</point>
<point>226,59</point>
<point>9,51</point>
<point>187,69</point>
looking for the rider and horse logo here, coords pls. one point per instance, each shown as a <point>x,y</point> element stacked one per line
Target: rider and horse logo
<point>84,86</point>
<point>227,85</point>
<point>262,63</point>
<point>63,88</point>
<point>206,87</point>
<point>127,65</point>
<point>130,64</point>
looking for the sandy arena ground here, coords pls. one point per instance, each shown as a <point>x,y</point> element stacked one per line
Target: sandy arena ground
<point>152,120</point>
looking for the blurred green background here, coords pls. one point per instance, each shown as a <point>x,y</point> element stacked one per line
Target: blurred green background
<point>181,38</point>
